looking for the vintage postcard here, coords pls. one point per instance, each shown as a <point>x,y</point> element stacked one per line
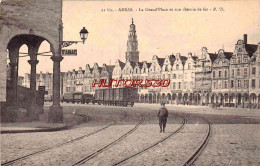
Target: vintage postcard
<point>130,82</point>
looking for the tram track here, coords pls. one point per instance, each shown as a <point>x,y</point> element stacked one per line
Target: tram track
<point>60,144</point>
<point>184,122</point>
<point>190,161</point>
<point>94,154</point>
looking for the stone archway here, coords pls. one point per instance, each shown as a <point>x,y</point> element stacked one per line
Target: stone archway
<point>207,99</point>
<point>185,98</point>
<point>142,98</point>
<point>232,100</point>
<point>33,43</point>
<point>154,97</point>
<point>146,98</point>
<point>32,30</point>
<point>226,99</point>
<point>158,98</point>
<point>220,98</point>
<point>253,100</point>
<point>150,100</point>
<point>163,98</point>
<point>174,98</point>
<point>239,99</point>
<point>191,98</point>
<point>179,98</point>
<point>169,98</point>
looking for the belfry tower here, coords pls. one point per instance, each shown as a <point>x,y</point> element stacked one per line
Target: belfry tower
<point>132,53</point>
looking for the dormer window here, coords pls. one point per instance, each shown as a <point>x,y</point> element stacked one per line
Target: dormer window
<point>177,67</point>
<point>166,68</point>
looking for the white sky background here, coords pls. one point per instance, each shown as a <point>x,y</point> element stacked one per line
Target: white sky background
<point>158,33</point>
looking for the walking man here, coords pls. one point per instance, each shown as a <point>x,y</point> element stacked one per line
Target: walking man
<point>162,114</point>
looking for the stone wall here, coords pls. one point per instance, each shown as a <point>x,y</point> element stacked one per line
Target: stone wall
<point>38,17</point>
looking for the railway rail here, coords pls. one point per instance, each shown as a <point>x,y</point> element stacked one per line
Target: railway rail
<point>87,158</point>
<point>60,144</point>
<point>200,149</point>
<point>184,122</point>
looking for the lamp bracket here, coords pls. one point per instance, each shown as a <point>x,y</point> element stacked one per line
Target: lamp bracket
<point>68,43</point>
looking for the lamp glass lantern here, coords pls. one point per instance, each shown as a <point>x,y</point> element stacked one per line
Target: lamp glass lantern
<point>83,34</point>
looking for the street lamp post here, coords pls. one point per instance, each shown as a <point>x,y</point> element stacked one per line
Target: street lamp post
<point>83,35</point>
<point>55,113</point>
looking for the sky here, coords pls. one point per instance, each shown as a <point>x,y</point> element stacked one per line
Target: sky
<point>159,33</point>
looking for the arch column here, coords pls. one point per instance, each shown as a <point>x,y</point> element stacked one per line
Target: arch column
<point>14,55</point>
<point>33,110</point>
<point>56,113</point>
<point>14,68</point>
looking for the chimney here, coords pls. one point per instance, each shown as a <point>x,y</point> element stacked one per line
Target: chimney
<point>245,38</point>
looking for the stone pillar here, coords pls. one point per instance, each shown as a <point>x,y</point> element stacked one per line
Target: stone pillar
<point>14,55</point>
<point>14,101</point>
<point>33,110</point>
<point>55,113</point>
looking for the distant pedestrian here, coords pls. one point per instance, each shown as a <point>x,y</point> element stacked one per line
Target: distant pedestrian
<point>162,114</point>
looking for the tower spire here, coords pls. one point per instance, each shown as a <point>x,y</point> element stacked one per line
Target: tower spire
<point>132,53</point>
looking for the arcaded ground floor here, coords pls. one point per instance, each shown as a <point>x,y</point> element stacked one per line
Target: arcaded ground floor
<point>130,136</point>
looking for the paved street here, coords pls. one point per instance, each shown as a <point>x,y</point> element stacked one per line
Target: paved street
<point>235,138</point>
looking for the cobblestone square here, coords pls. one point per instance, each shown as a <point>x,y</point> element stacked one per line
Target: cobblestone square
<point>234,139</point>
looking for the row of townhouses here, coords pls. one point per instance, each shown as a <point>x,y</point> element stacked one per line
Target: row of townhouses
<point>227,78</point>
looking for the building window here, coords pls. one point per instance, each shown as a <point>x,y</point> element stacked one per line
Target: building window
<point>238,83</point>
<point>213,74</point>
<point>184,85</point>
<point>253,83</point>
<point>169,76</point>
<point>226,85</point>
<point>233,72</point>
<point>174,86</point>
<point>189,66</point>
<point>253,71</point>
<point>219,74</point>
<point>163,76</point>
<point>214,85</point>
<point>220,85</point>
<point>232,83</point>
<point>238,59</point>
<point>179,85</point>
<point>174,76</point>
<point>225,73</point>
<point>177,67</point>
<point>245,60</point>
<point>166,68</point>
<point>238,72</point>
<point>245,71</point>
<point>245,84</point>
